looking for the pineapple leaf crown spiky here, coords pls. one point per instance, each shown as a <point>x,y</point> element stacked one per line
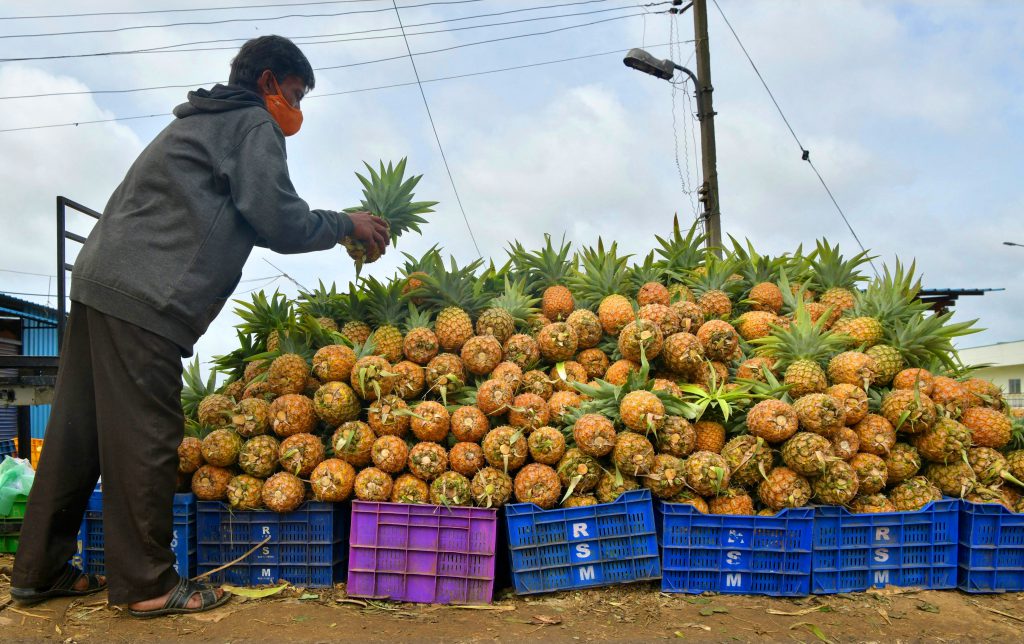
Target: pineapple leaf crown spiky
<point>413,264</point>
<point>681,253</point>
<point>384,305</point>
<point>233,364</point>
<point>389,195</point>
<point>716,276</point>
<point>648,271</point>
<point>831,269</point>
<point>542,268</point>
<point>803,339</point>
<point>453,287</point>
<point>515,300</point>
<point>352,305</point>
<point>320,302</point>
<point>262,315</point>
<point>928,337</point>
<point>194,388</point>
<point>417,319</point>
<point>753,266</point>
<point>891,298</point>
<point>601,273</point>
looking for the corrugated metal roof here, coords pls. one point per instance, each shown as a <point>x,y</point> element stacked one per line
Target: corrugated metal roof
<point>32,309</point>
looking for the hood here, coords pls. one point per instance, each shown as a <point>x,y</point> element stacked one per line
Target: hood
<point>222,98</point>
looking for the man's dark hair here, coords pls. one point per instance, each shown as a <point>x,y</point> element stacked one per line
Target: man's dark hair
<point>276,53</point>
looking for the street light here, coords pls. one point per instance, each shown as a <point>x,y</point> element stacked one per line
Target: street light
<point>664,69</point>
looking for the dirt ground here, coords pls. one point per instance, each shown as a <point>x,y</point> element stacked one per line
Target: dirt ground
<point>637,612</point>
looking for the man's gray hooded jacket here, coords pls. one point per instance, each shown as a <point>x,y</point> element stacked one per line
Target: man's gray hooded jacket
<point>169,249</point>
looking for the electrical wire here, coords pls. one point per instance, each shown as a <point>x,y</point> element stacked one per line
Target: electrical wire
<point>805,154</point>
<point>362,89</point>
<point>8,270</point>
<point>301,40</point>
<point>228,20</point>
<point>437,137</point>
<point>196,10</point>
<point>327,68</point>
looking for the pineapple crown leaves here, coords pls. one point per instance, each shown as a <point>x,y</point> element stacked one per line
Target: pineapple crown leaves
<point>925,338</point>
<point>545,267</point>
<point>295,338</point>
<point>194,388</point>
<point>262,315</point>
<point>515,300</point>
<point>384,305</point>
<point>770,387</point>
<point>417,319</point>
<point>649,271</point>
<point>456,286</point>
<point>802,340</point>
<point>320,302</point>
<point>754,267</point>
<point>413,264</point>
<point>717,399</point>
<point>352,305</point>
<point>195,429</point>
<point>717,276</point>
<point>601,273</point>
<point>233,363</point>
<point>833,270</point>
<point>891,298</point>
<point>388,194</point>
<point>680,253</point>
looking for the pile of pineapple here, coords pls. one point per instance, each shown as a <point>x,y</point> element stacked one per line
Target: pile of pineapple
<point>735,382</point>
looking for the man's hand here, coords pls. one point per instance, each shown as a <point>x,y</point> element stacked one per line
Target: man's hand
<point>372,232</point>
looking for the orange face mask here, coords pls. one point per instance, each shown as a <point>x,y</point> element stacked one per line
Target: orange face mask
<point>288,117</point>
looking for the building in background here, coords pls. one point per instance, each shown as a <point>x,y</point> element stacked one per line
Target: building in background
<point>1005,367</point>
<point>26,329</point>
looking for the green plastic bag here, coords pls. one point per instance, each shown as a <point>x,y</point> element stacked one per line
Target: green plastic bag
<point>16,477</point>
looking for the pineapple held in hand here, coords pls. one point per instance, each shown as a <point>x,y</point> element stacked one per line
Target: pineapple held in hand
<point>387,195</point>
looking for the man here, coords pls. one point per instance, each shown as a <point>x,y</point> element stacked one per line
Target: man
<point>157,268</point>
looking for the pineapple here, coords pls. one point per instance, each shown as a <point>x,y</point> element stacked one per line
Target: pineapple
<point>494,397</point>
<point>245,492</point>
<point>512,308</point>
<point>450,489</point>
<point>800,349</point>
<point>528,412</point>
<point>984,494</point>
<point>283,492</point>
<point>371,375</point>
<point>784,488</point>
<point>322,305</point>
<point>352,309</point>
<point>265,318</point>
<point>754,368</point>
<point>456,294</point>
<point>902,463</point>
<point>491,488</point>
<point>446,374</point>
<point>546,445</point>
<point>427,460</point>
<point>251,417</point>
<point>756,324</point>
<point>691,317</point>
<point>838,276</point>
<point>871,503</point>
<point>732,500</point>
<point>642,411</point>
<point>210,483</point>
<point>620,371</point>
<point>706,473</point>
<point>221,447</point>
<point>640,338</point>
<point>871,472</point>
<point>578,472</point>
<point>943,442</point>
<point>300,454</point>
<point>546,272</point>
<point>387,313</point>
<point>413,270</point>
<point>984,393</point>
<point>920,379</point>
<point>837,485</point>
<point>677,437</point>
<point>469,424</point>
<point>689,498</point>
<point>388,195</point>
<point>611,486</point>
<point>989,428</point>
<point>820,413</point>
<point>914,494</point>
<point>633,454</point>
<point>854,401</point>
<point>389,454</point>
<point>190,455</point>
<point>888,362</point>
<point>909,411</point>
<point>710,435</point>
<point>259,389</point>
<point>561,402</point>
<point>466,458</point>
<point>537,382</point>
<point>430,421</point>
<point>587,327</point>
<point>258,456</point>
<point>773,420</point>
<point>714,288</point>
<point>718,339</point>
<point>557,342</point>
<point>647,281</point>
<point>845,443</point>
<point>1015,463</point>
<point>289,371</point>
<point>749,459</point>
<point>522,351</point>
<point>215,410</point>
<point>851,368</point>
<point>861,331</point>
<point>579,501</point>
<point>877,435</point>
<point>989,466</point>
<point>409,489</point>
<point>664,317</point>
<point>565,375</point>
<point>955,479</point>
<point>292,414</point>
<point>481,354</point>
<point>807,454</point>
<point>666,477</point>
<point>538,484</point>
<point>505,448</point>
<point>601,281</point>
<point>332,481</point>
<point>373,484</point>
<point>667,386</point>
<point>353,443</point>
<point>335,403</point>
<point>420,343</point>
<point>389,415</point>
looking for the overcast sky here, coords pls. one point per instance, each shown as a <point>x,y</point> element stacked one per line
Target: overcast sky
<point>912,112</point>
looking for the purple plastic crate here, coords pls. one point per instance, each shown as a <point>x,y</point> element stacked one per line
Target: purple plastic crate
<point>422,553</point>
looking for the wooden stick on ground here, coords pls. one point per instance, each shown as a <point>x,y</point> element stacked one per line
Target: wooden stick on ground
<point>232,563</point>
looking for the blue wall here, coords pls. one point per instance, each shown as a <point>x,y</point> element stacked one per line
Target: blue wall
<point>38,339</point>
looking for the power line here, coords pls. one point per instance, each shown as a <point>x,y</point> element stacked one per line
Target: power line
<point>227,20</point>
<point>362,89</point>
<point>8,270</point>
<point>805,154</point>
<point>196,10</point>
<point>343,66</point>
<point>433,127</point>
<point>177,47</point>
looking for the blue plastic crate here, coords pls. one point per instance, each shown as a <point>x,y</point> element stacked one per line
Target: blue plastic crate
<point>8,448</point>
<point>90,556</point>
<point>750,555</point>
<point>597,545</point>
<point>307,547</point>
<point>854,552</point>
<point>991,549</point>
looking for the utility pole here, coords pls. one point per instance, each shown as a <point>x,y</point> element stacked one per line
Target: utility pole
<point>706,113</point>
